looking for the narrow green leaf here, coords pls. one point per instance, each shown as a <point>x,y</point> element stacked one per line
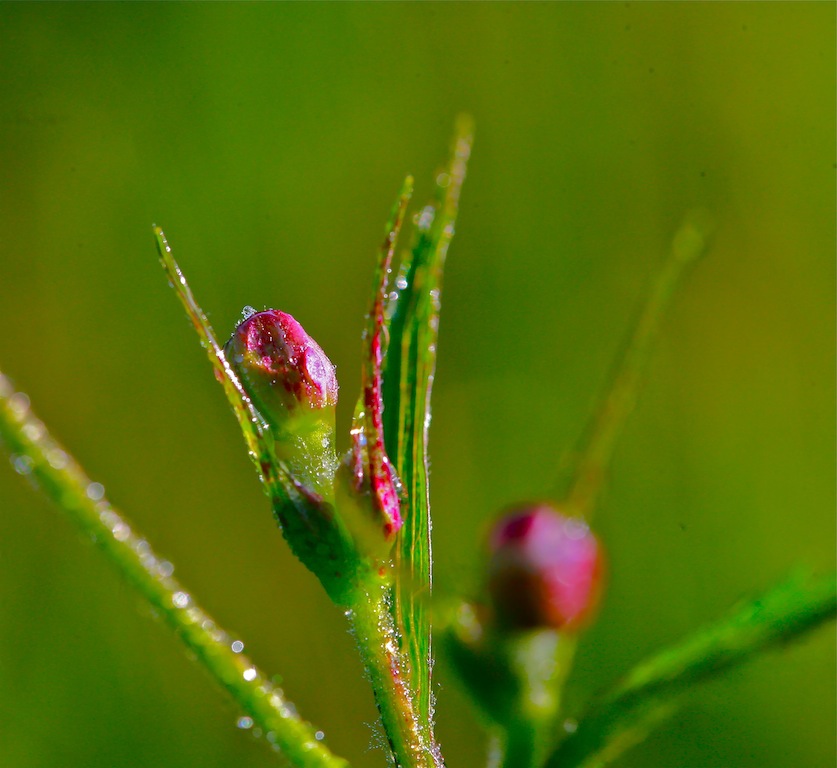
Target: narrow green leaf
<point>654,689</point>
<point>593,456</point>
<point>253,426</point>
<point>36,454</point>
<point>413,312</point>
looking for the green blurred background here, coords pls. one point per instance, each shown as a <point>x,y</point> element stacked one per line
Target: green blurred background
<point>269,141</point>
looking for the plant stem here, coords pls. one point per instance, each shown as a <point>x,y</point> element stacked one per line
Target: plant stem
<point>654,689</point>
<point>38,456</point>
<point>375,632</point>
<point>597,444</point>
<point>540,660</point>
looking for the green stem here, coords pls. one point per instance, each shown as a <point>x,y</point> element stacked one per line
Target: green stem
<point>599,440</point>
<point>654,689</point>
<point>540,661</point>
<point>375,632</point>
<point>37,455</point>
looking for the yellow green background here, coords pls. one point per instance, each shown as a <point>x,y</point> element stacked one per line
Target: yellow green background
<point>269,141</point>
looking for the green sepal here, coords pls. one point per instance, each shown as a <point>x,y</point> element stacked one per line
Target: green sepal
<point>317,536</point>
<point>515,680</point>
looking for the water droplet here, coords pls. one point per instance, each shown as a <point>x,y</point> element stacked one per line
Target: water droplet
<point>166,569</point>
<point>180,599</point>
<point>34,430</point>
<point>108,517</point>
<point>250,674</point>
<point>237,646</point>
<point>401,282</point>
<point>575,529</point>
<point>245,723</point>
<point>443,179</point>
<point>426,218</point>
<point>95,491</point>
<point>319,735</point>
<point>57,458</point>
<point>19,404</point>
<point>22,464</point>
<point>120,531</point>
<point>570,725</point>
<point>248,312</point>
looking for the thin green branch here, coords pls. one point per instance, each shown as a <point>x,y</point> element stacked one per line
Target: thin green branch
<point>38,456</point>
<point>654,689</point>
<point>596,447</point>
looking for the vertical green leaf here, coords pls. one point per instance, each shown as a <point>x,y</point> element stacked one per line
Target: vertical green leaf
<point>413,312</point>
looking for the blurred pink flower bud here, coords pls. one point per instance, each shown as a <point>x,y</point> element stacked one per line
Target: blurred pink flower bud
<point>545,569</point>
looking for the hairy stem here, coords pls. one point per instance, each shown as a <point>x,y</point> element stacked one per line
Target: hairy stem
<point>387,667</point>
<point>38,456</point>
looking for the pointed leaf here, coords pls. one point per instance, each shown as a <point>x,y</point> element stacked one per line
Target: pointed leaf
<point>413,311</point>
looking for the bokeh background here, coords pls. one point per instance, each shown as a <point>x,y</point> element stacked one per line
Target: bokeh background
<point>269,141</point>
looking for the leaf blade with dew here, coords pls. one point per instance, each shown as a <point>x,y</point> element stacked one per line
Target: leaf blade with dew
<point>67,485</point>
<point>654,689</point>
<point>249,419</point>
<point>413,312</point>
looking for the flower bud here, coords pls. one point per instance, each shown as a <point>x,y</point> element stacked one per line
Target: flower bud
<point>545,569</point>
<point>284,366</point>
<point>293,386</point>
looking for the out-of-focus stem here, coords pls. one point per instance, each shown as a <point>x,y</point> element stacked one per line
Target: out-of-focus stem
<point>599,439</point>
<point>38,456</point>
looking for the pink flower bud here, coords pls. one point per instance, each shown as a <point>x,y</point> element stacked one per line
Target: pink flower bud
<point>292,385</point>
<point>545,569</point>
<point>281,364</point>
